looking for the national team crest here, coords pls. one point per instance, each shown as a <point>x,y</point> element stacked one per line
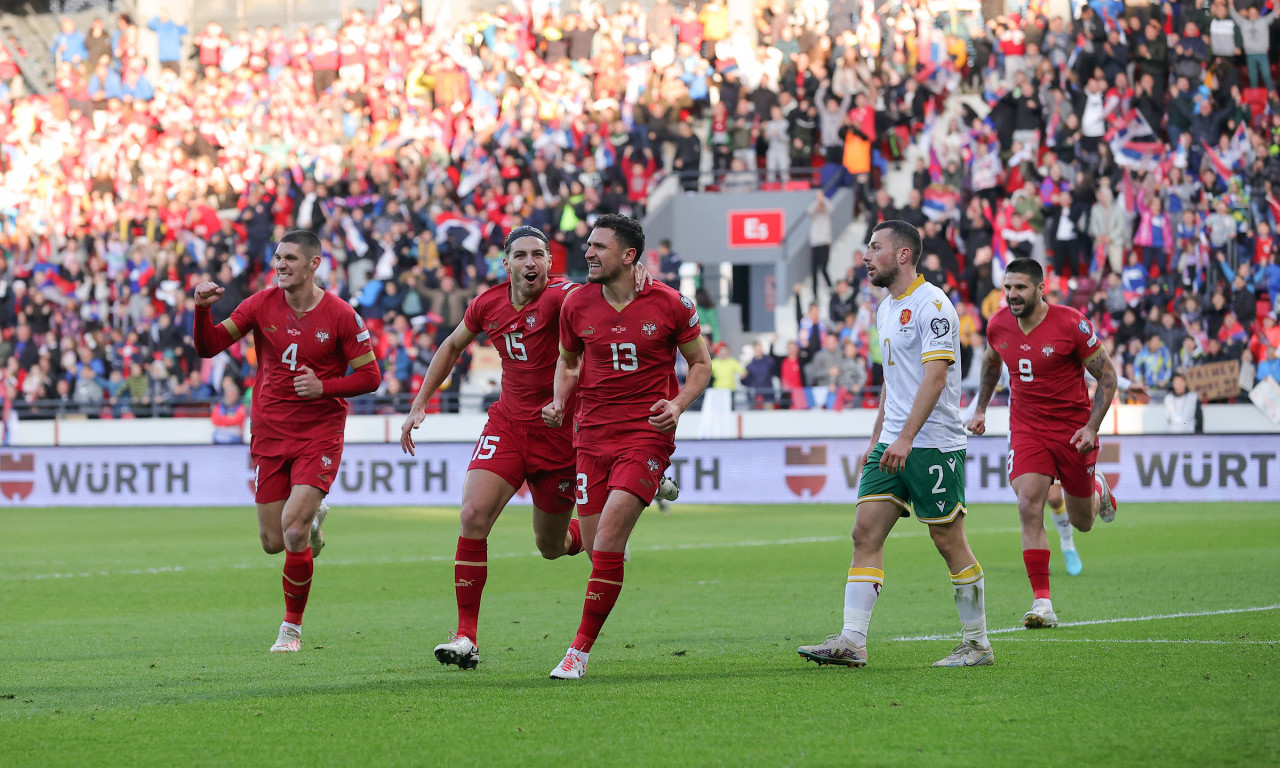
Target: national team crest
<point>654,466</point>
<point>1047,350</point>
<point>564,486</point>
<point>530,320</point>
<point>648,329</point>
<point>905,317</point>
<point>325,460</point>
<point>322,336</point>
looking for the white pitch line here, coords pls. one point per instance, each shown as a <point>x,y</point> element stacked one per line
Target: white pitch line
<point>1043,639</point>
<point>446,558</point>
<point>1091,622</point>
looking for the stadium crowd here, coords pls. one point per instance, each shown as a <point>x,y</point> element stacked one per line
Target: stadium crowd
<point>1135,151</point>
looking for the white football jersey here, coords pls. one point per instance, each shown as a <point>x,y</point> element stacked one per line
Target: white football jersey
<point>916,327</point>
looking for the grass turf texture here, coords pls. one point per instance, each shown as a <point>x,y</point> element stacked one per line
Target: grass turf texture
<point>139,637</point>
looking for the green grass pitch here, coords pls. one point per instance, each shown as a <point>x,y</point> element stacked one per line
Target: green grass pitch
<point>139,638</point>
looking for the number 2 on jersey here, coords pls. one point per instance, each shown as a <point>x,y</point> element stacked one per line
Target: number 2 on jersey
<point>888,353</point>
<point>1024,370</point>
<point>290,356</point>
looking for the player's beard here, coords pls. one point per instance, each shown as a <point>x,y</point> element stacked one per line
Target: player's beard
<point>604,276</point>
<point>883,278</point>
<point>1027,307</point>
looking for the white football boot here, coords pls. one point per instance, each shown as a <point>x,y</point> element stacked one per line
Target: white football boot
<point>1041,615</point>
<point>968,654</point>
<point>460,651</point>
<point>290,639</point>
<point>573,667</point>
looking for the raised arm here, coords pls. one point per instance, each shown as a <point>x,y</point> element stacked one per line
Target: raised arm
<point>211,339</point>
<point>441,366</point>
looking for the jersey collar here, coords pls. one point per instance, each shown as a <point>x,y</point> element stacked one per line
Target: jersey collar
<point>919,281</point>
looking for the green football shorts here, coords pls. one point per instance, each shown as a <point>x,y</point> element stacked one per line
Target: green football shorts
<point>932,483</point>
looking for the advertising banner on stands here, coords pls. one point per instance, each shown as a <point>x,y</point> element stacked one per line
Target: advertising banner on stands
<point>1156,468</point>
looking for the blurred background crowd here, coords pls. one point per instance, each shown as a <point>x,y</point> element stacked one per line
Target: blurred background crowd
<point>1134,150</point>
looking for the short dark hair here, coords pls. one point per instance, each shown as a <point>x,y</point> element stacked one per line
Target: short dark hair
<point>625,228</point>
<point>905,235</point>
<point>525,231</point>
<point>1029,267</point>
<point>306,239</point>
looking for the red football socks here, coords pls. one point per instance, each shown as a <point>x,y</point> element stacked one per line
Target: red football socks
<point>298,568</point>
<point>575,538</point>
<point>470,568</point>
<point>602,593</point>
<point>1037,562</point>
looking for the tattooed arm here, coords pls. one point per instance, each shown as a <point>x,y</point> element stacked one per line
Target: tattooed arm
<point>1100,367</point>
<point>988,376</point>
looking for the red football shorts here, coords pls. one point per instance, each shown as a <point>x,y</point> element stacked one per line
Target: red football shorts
<point>636,469</point>
<point>541,457</point>
<point>278,465</point>
<point>1046,453</point>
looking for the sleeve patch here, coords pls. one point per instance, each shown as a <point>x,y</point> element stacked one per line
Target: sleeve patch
<point>363,335</point>
<point>940,326</point>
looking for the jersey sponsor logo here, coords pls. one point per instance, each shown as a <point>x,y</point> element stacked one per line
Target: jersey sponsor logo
<point>294,332</point>
<point>1048,350</point>
<point>619,329</point>
<point>492,325</point>
<point>589,330</point>
<point>648,329</point>
<point>1025,347</point>
<point>363,335</point>
<point>951,463</point>
<point>1084,328</point>
<point>940,326</point>
<point>905,317</point>
<point>322,336</point>
<point>937,305</point>
<point>270,329</point>
<point>941,504</point>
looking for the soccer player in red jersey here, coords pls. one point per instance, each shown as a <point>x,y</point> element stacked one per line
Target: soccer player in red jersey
<point>1053,429</point>
<point>522,319</point>
<point>306,339</point>
<point>620,344</point>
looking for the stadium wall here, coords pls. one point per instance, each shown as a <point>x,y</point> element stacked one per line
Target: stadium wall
<point>1208,468</point>
<point>446,428</point>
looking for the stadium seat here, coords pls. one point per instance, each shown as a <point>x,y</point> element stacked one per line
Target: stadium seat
<point>770,186</point>
<point>799,185</point>
<point>1256,99</point>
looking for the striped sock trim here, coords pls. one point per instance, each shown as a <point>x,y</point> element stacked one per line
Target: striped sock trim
<point>968,575</point>
<point>605,581</point>
<point>873,575</point>
<point>468,562</point>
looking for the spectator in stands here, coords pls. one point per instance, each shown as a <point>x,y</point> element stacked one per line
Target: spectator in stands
<point>1181,407</point>
<point>229,415</point>
<point>1152,365</point>
<point>69,45</point>
<point>819,239</point>
<point>759,375</point>
<point>169,40</point>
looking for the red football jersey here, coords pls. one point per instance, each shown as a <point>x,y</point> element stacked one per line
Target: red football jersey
<point>527,340</point>
<point>629,357</point>
<point>1046,369</point>
<point>328,339</point>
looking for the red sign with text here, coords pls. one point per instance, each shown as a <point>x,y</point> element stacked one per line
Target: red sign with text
<point>757,229</point>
